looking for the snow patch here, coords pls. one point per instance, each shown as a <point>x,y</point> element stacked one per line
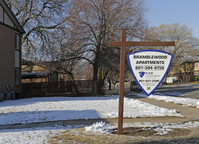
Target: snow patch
<point>187,102</point>
<point>34,110</point>
<point>160,128</point>
<point>99,127</point>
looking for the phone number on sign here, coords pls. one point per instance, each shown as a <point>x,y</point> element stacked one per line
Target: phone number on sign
<point>149,68</point>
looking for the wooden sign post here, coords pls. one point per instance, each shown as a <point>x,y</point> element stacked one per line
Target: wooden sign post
<point>123,43</point>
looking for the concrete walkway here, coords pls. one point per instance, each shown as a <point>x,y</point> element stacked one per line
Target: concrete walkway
<point>190,114</point>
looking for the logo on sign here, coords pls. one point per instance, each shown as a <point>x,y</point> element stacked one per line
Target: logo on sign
<point>149,68</point>
<point>141,74</point>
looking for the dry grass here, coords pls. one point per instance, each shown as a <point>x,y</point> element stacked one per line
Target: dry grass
<point>131,135</point>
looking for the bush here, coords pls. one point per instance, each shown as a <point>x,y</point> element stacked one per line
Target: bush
<point>196,78</point>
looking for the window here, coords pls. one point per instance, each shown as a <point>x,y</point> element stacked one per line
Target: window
<point>17,41</point>
<point>17,59</point>
<point>17,50</point>
<point>196,64</point>
<point>1,14</point>
<point>17,76</point>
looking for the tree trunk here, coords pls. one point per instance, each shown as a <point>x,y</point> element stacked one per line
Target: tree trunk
<point>109,84</point>
<point>94,86</point>
<point>73,82</point>
<point>95,72</point>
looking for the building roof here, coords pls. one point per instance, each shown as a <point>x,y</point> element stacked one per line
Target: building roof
<point>189,61</point>
<point>12,16</point>
<point>35,75</point>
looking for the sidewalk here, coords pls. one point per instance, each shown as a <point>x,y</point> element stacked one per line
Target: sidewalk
<point>190,113</point>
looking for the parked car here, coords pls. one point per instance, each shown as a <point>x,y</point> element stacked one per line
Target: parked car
<point>134,86</point>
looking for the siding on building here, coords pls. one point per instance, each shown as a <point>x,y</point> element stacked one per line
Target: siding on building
<point>10,52</point>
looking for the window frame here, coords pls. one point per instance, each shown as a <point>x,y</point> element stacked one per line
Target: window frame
<point>18,65</point>
<point>17,42</point>
<point>17,76</point>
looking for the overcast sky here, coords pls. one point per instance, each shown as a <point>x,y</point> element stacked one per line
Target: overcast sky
<point>184,12</point>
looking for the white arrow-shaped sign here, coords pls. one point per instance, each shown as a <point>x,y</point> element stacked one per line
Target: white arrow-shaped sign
<point>149,67</point>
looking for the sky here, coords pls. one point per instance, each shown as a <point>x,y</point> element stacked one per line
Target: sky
<point>184,12</point>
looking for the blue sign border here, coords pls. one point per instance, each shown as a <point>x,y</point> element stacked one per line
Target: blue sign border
<point>162,77</point>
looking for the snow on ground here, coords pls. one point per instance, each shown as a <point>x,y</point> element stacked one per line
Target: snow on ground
<point>68,108</point>
<point>177,100</point>
<point>187,102</point>
<point>161,128</point>
<point>42,135</point>
<point>30,135</point>
<point>62,108</point>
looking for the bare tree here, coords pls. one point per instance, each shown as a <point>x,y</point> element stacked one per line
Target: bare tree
<point>94,23</point>
<point>80,31</point>
<point>64,49</point>
<point>186,70</point>
<point>186,45</point>
<point>39,18</point>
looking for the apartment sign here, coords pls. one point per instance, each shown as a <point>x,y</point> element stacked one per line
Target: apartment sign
<point>149,68</point>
